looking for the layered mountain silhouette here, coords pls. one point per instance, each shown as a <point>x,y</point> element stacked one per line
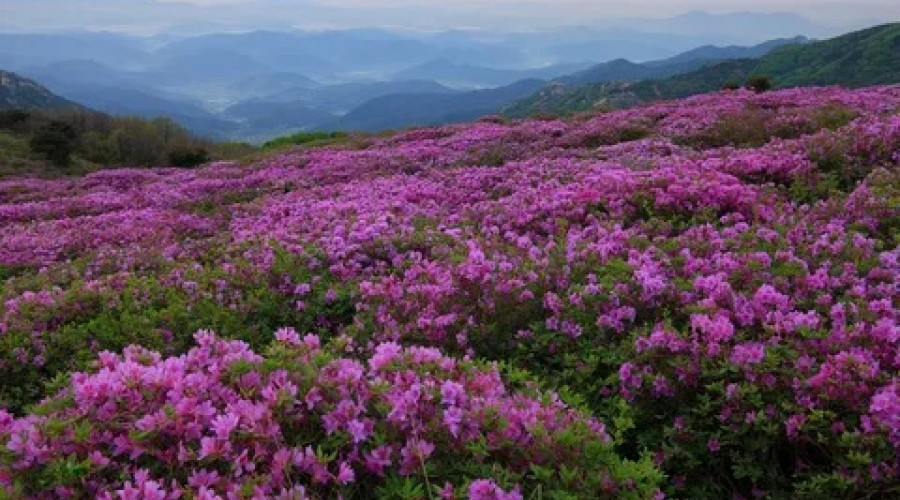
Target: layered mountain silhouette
<point>258,85</point>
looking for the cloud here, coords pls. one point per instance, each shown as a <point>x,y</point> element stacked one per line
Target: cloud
<point>148,16</point>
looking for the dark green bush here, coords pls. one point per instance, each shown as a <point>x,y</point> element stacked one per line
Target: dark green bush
<point>303,138</point>
<point>55,141</point>
<point>13,119</point>
<point>149,311</point>
<point>760,83</point>
<point>746,129</point>
<point>188,156</point>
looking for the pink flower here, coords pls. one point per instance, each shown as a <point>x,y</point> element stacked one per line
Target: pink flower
<point>345,473</point>
<point>414,454</point>
<point>452,393</point>
<point>223,425</point>
<point>287,336</point>
<point>358,430</point>
<point>749,353</point>
<point>484,489</point>
<point>446,492</point>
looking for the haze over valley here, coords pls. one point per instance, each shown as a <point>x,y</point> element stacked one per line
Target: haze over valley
<point>256,84</point>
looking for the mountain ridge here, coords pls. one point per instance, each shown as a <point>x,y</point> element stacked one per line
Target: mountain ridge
<point>418,109</point>
<point>860,58</point>
<point>258,99</point>
<point>18,92</point>
<point>404,110</point>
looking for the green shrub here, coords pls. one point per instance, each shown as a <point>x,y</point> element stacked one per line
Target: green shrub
<point>745,129</point>
<point>833,117</point>
<point>188,156</point>
<point>760,83</point>
<point>48,338</point>
<point>55,141</point>
<point>306,138</point>
<point>13,119</point>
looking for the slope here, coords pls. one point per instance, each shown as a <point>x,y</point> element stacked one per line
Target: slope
<point>857,59</point>
<point>407,110</point>
<point>861,58</point>
<point>17,92</point>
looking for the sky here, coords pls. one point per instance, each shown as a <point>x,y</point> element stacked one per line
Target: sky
<point>153,16</point>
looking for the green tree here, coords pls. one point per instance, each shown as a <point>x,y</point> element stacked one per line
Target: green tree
<point>13,119</point>
<point>139,143</point>
<point>99,148</point>
<point>188,156</point>
<point>760,83</point>
<point>55,141</point>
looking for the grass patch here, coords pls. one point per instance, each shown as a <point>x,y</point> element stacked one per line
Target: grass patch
<point>307,139</point>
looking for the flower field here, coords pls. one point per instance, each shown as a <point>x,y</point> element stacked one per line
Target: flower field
<point>690,299</point>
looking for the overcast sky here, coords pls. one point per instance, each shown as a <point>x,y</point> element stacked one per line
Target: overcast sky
<point>150,16</point>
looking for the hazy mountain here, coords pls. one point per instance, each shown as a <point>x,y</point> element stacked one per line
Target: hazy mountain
<point>738,27</point>
<point>284,52</point>
<point>27,50</point>
<point>369,49</point>
<point>558,99</point>
<point>17,92</point>
<point>261,120</point>
<point>269,83</point>
<point>360,51</point>
<point>714,52</point>
<point>208,65</point>
<point>625,44</point>
<point>129,101</point>
<point>81,72</point>
<point>452,74</point>
<point>623,70</point>
<point>252,84</point>
<point>344,97</point>
<point>407,110</point>
<point>641,40</point>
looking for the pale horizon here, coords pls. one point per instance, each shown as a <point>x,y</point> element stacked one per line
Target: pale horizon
<point>152,17</point>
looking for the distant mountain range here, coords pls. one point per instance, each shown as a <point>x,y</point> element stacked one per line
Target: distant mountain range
<point>867,57</point>
<point>451,74</point>
<point>299,103</point>
<point>251,85</point>
<point>258,85</point>
<point>623,70</point>
<point>406,109</point>
<point>399,111</point>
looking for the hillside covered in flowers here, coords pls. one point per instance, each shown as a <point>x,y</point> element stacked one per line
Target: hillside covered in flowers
<point>690,299</point>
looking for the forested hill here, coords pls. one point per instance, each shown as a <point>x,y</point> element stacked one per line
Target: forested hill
<point>861,58</point>
<point>858,59</point>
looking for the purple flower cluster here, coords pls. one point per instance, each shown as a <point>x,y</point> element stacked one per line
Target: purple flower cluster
<point>222,420</point>
<point>718,275</point>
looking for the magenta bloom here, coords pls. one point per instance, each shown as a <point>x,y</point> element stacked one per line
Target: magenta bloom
<point>483,489</point>
<point>750,353</point>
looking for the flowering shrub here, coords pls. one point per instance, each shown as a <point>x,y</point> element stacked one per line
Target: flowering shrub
<point>715,279</point>
<point>302,422</point>
<point>55,331</point>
